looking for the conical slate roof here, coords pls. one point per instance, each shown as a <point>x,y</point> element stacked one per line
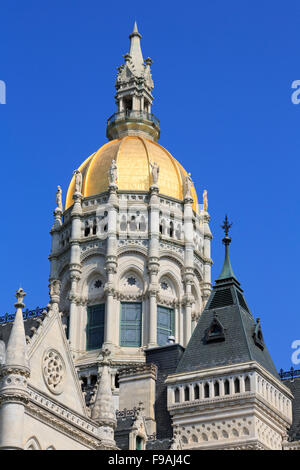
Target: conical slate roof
<point>226,332</point>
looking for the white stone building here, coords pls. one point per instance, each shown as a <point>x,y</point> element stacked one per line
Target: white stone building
<point>113,361</point>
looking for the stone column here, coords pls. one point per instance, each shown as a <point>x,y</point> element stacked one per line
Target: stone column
<point>75,270</point>
<point>188,267</point>
<point>55,245</point>
<point>206,284</point>
<point>111,266</point>
<point>153,263</point>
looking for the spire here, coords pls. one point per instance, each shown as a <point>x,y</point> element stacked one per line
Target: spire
<point>227,271</point>
<point>135,50</point>
<point>16,354</point>
<point>103,411</point>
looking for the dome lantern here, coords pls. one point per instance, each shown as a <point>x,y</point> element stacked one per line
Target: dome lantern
<point>134,98</point>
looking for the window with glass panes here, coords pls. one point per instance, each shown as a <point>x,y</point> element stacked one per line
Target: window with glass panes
<point>165,324</point>
<point>95,327</point>
<point>131,324</point>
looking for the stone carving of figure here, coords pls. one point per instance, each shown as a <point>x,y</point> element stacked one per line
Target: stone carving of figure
<point>205,200</point>
<point>54,288</point>
<point>155,172</point>
<point>59,198</point>
<point>78,181</point>
<point>188,185</point>
<point>113,173</point>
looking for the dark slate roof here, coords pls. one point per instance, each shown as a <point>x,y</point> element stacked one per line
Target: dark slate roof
<point>235,344</point>
<point>125,424</point>
<point>166,358</point>
<point>162,444</point>
<point>294,386</point>
<point>122,432</point>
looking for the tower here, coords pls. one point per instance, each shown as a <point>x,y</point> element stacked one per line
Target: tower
<point>131,250</point>
<point>226,393</point>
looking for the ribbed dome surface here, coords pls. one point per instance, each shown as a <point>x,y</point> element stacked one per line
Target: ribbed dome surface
<point>133,155</point>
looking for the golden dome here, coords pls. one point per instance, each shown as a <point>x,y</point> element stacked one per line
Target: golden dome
<point>133,155</point>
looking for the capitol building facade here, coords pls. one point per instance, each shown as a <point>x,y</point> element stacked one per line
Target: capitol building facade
<point>136,349</point>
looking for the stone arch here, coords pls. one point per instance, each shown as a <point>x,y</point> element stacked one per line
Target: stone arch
<point>127,249</point>
<point>91,253</point>
<point>93,286</point>
<point>173,277</point>
<point>32,444</point>
<point>173,286</point>
<point>93,266</point>
<point>135,265</point>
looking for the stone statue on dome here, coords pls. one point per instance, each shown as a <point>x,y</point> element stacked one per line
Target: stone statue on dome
<point>188,186</point>
<point>155,172</point>
<point>113,173</point>
<point>205,200</point>
<point>59,198</point>
<point>78,181</point>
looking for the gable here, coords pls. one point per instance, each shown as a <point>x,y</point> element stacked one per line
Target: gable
<point>51,365</point>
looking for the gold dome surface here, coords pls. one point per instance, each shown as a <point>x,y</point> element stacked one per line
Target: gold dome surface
<point>133,155</point>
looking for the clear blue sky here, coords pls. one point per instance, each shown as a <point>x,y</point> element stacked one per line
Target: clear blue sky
<point>222,73</point>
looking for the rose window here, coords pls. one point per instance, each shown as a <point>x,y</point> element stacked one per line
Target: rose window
<point>131,281</point>
<point>53,371</point>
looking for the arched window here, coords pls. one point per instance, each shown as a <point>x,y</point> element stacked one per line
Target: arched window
<point>196,392</point>
<point>86,229</point>
<point>32,444</point>
<point>186,394</point>
<point>247,384</point>
<point>206,390</point>
<point>177,395</point>
<point>139,443</point>
<point>117,381</point>
<point>94,227</point>
<point>217,389</point>
<point>226,387</point>
<point>171,229</point>
<point>236,386</point>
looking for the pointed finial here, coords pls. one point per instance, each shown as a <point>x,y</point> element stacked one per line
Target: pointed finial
<point>105,353</point>
<point>20,294</point>
<point>135,31</point>
<point>227,271</point>
<point>226,226</point>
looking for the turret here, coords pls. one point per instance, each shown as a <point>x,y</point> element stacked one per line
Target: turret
<point>13,385</point>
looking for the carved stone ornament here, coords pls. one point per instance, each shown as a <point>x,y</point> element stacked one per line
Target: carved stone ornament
<point>54,371</point>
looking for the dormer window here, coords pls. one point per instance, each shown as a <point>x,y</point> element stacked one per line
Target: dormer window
<point>215,331</point>
<point>258,336</point>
